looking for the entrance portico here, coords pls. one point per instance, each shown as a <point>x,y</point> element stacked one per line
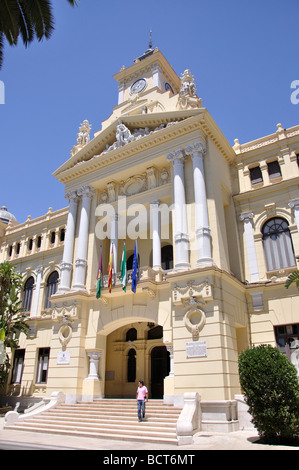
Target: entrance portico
<point>136,352</point>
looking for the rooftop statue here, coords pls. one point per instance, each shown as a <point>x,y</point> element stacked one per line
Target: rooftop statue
<point>187,96</point>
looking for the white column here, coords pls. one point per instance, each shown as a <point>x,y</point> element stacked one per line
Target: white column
<point>202,229</point>
<point>181,235</point>
<point>67,260</point>
<point>37,291</point>
<point>294,204</point>
<point>114,239</point>
<point>156,234</point>
<point>171,371</point>
<point>247,217</point>
<point>81,262</point>
<point>94,357</point>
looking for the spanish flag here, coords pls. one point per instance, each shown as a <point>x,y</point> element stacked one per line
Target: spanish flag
<point>110,268</point>
<point>99,278</point>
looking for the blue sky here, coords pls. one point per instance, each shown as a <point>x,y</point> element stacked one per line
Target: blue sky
<point>243,54</point>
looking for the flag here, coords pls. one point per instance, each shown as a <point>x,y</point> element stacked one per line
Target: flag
<point>123,269</point>
<point>110,268</point>
<point>135,269</point>
<point>99,278</point>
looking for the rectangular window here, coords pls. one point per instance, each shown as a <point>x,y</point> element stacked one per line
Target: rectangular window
<point>42,365</point>
<point>274,169</point>
<point>18,366</point>
<point>39,241</point>
<point>52,238</point>
<point>62,234</point>
<point>30,244</point>
<point>256,175</point>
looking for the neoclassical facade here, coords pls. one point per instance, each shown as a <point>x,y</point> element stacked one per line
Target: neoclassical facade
<point>216,229</point>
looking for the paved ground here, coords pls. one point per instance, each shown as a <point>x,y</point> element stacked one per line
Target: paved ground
<point>23,440</point>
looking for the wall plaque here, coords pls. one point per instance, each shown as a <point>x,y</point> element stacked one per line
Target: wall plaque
<point>63,357</point>
<point>196,349</point>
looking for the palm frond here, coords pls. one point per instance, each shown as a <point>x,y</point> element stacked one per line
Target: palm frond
<point>293,277</point>
<point>9,14</point>
<point>1,48</point>
<point>40,17</point>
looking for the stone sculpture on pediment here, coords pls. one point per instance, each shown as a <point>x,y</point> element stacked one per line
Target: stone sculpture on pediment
<point>83,137</point>
<point>187,96</point>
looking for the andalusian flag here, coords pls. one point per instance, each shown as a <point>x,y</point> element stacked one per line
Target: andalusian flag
<point>123,269</point>
<point>100,278</point>
<point>135,269</point>
<point>110,268</point>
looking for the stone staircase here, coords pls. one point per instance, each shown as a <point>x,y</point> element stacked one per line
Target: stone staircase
<point>107,419</point>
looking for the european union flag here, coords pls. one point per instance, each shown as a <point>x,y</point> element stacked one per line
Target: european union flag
<point>135,269</point>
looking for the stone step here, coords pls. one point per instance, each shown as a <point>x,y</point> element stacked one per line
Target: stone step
<point>60,414</point>
<point>117,409</point>
<point>55,418</point>
<point>108,419</point>
<point>99,435</point>
<point>160,429</point>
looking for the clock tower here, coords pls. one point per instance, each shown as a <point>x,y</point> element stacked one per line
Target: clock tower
<point>150,72</point>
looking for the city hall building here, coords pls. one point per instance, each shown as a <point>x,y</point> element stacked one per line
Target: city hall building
<point>212,230</point>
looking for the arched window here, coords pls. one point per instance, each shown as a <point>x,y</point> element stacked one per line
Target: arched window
<point>167,257</point>
<point>52,285</point>
<point>130,262</point>
<point>27,294</point>
<point>132,365</point>
<point>278,246</point>
<point>131,334</point>
<point>155,333</point>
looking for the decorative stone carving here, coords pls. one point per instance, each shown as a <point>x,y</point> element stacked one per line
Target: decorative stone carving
<point>187,96</point>
<point>164,176</point>
<point>83,134</point>
<point>124,136</point>
<point>195,318</point>
<point>65,311</point>
<point>64,334</point>
<point>134,185</point>
<point>151,177</point>
<point>202,292</point>
<point>83,137</point>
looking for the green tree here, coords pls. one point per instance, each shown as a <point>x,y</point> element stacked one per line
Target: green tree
<point>293,277</point>
<point>28,18</point>
<point>12,315</point>
<point>271,389</point>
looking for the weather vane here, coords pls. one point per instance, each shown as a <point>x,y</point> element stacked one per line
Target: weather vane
<point>150,41</point>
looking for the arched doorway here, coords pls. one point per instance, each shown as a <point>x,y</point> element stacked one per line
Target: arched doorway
<point>135,351</point>
<point>160,367</point>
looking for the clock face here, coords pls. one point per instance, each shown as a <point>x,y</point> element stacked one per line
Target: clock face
<point>138,86</point>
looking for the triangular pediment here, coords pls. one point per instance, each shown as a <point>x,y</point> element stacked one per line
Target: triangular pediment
<point>128,131</point>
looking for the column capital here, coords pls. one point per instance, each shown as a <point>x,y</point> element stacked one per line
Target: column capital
<point>113,216</point>
<point>245,216</point>
<point>294,203</point>
<point>86,191</point>
<point>155,203</point>
<point>177,156</point>
<point>195,148</point>
<point>71,196</point>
